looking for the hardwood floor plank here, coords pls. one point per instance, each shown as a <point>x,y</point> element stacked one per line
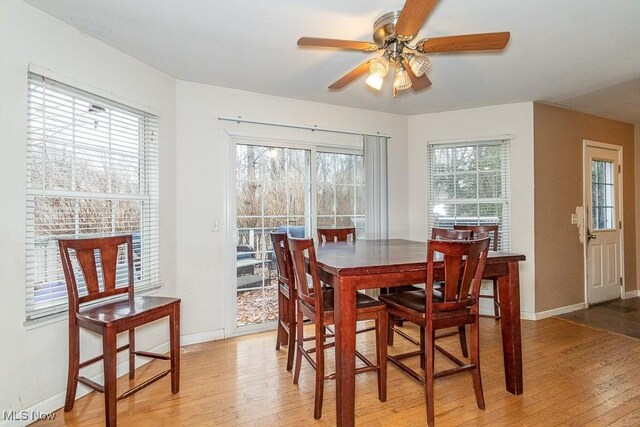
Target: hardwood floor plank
<point>573,375</point>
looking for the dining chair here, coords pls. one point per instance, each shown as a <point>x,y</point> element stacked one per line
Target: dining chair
<point>454,305</point>
<point>479,232</point>
<point>316,303</point>
<point>286,296</point>
<point>437,233</point>
<point>97,264</point>
<point>336,234</point>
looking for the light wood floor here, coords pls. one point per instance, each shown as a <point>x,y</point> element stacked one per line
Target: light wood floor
<point>574,375</point>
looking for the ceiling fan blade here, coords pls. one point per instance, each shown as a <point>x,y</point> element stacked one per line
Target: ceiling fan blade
<point>468,42</point>
<point>340,44</point>
<point>417,83</point>
<point>350,76</point>
<point>413,15</point>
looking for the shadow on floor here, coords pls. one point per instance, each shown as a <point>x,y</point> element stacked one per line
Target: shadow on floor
<point>619,316</point>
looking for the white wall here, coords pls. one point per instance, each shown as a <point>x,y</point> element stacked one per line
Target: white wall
<point>513,119</point>
<point>204,162</point>
<point>33,361</point>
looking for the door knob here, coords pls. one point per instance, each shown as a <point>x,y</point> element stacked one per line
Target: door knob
<point>591,236</point>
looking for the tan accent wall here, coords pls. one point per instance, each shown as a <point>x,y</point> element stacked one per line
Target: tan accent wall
<point>637,181</point>
<point>558,141</point>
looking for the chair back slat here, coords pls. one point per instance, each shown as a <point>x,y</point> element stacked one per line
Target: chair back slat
<point>301,249</point>
<point>86,252</point>
<point>464,262</point>
<point>336,234</point>
<point>109,259</point>
<point>481,231</point>
<point>87,260</point>
<point>283,259</point>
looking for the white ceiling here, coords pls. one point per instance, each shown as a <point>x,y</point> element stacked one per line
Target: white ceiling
<point>580,53</point>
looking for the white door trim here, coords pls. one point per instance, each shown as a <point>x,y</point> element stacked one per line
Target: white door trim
<point>618,148</point>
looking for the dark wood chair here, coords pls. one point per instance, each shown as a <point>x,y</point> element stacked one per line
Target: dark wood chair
<point>480,232</point>
<point>336,234</point>
<point>436,234</point>
<point>454,305</point>
<point>316,303</point>
<point>286,296</point>
<point>449,234</point>
<point>98,262</point>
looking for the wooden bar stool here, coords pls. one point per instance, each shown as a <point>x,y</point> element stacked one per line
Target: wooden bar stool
<point>286,297</point>
<point>336,234</point>
<point>436,234</point>
<point>99,261</point>
<point>480,232</point>
<point>316,303</point>
<point>456,304</point>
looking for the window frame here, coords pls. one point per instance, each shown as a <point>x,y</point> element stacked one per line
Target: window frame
<point>145,192</point>
<point>504,142</point>
<point>272,142</point>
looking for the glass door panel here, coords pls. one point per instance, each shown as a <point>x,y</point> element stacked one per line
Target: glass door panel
<point>273,193</point>
<point>340,191</point>
<point>602,195</point>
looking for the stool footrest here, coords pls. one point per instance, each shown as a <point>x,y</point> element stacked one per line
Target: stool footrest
<point>91,384</point>
<point>144,384</point>
<point>152,355</point>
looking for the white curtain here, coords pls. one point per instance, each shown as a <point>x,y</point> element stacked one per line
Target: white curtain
<point>375,167</point>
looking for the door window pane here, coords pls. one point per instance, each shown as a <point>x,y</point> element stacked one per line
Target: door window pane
<point>602,195</point>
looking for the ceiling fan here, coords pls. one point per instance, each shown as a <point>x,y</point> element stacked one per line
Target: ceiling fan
<point>392,34</point>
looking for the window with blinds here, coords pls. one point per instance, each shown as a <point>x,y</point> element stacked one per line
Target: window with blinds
<point>92,170</point>
<point>469,184</point>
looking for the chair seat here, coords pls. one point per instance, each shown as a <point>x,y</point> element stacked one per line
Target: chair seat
<point>362,301</point>
<point>113,312</point>
<point>413,300</point>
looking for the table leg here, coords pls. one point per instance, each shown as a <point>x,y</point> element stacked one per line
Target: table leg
<point>509,292</point>
<point>345,318</point>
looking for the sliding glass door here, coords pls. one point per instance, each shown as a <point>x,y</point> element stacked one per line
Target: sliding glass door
<point>273,193</point>
<point>287,188</point>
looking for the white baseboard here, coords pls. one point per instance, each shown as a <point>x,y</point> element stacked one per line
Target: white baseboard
<point>556,311</point>
<point>631,294</point>
<point>201,337</point>
<point>527,315</point>
<point>56,401</point>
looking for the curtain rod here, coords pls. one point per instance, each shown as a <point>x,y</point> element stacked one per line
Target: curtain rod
<point>313,128</point>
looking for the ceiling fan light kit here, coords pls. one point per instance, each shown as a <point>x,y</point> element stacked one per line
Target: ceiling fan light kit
<point>375,81</point>
<point>392,34</point>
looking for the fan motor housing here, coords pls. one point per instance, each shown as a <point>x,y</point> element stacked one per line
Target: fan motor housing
<point>383,28</point>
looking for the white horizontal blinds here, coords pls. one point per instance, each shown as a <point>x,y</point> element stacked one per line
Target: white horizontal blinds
<point>469,184</point>
<point>92,170</point>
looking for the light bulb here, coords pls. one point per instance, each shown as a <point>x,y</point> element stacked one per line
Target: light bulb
<point>419,65</point>
<point>379,66</point>
<point>402,80</point>
<point>375,81</point>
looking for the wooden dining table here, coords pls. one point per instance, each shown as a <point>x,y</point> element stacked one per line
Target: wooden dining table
<point>371,264</point>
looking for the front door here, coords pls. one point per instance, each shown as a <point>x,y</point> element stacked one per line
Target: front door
<point>603,222</point>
